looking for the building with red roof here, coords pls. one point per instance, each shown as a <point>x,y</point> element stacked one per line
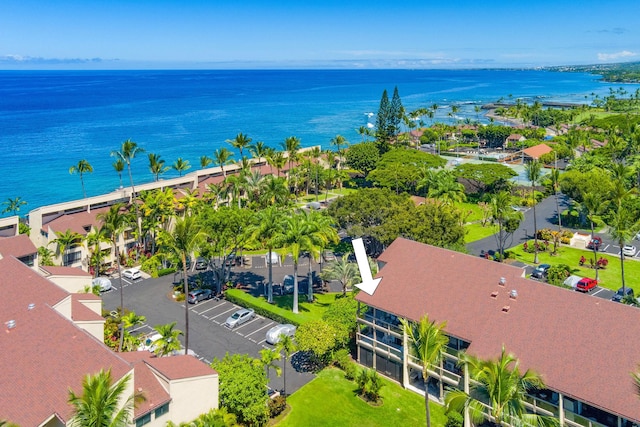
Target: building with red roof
<point>583,346</point>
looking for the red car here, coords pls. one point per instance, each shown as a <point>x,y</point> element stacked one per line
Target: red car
<point>595,242</point>
<point>586,284</point>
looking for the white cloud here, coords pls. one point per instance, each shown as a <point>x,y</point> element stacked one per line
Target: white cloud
<point>616,56</point>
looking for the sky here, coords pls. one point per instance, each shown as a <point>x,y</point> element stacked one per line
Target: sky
<point>190,34</point>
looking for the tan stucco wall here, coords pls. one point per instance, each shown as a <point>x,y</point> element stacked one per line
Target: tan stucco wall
<point>192,397</point>
<point>64,307</point>
<point>71,284</point>
<point>94,327</point>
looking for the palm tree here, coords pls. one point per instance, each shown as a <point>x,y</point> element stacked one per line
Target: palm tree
<point>533,174</point>
<point>114,222</point>
<point>321,233</point>
<point>127,153</point>
<point>101,400</point>
<point>266,228</point>
<point>339,140</point>
<point>293,239</point>
<point>593,206</point>
<point>622,227</point>
<point>181,165</point>
<point>507,219</point>
<point>288,346</point>
<point>67,240</point>
<point>342,270</point>
<point>186,237</point>
<point>259,150</point>
<point>222,157</point>
<point>446,188</point>
<point>240,142</point>
<point>205,161</point>
<point>168,341</point>
<point>500,383</point>
<point>276,159</point>
<point>274,191</point>
<point>81,168</point>
<point>94,239</point>
<point>156,165</point>
<point>118,165</point>
<point>268,358</point>
<point>13,205</point>
<point>291,145</point>
<point>427,342</point>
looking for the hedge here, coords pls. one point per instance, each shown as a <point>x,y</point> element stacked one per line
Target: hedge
<point>241,298</point>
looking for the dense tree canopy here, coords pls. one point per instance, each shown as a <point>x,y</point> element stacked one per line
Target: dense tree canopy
<point>399,168</point>
<point>363,157</point>
<point>485,177</point>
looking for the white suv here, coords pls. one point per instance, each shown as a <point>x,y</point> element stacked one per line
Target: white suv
<point>132,274</point>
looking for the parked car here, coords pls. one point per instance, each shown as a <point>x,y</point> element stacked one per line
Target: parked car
<point>595,242</point>
<point>540,272</point>
<point>102,283</point>
<point>132,273</point>
<point>621,293</point>
<point>201,263</point>
<point>199,295</point>
<point>629,250</point>
<point>586,284</point>
<point>287,285</point>
<point>273,334</point>
<point>148,342</point>
<point>239,317</point>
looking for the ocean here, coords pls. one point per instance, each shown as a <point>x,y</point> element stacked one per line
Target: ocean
<point>49,120</point>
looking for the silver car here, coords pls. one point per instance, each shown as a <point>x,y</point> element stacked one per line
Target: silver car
<point>274,334</point>
<point>239,317</point>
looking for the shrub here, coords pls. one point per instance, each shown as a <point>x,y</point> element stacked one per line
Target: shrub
<point>259,309</point>
<point>165,271</point>
<point>276,406</point>
<point>558,273</point>
<point>180,297</point>
<point>341,358</point>
<point>351,370</point>
<point>369,384</point>
<point>454,419</point>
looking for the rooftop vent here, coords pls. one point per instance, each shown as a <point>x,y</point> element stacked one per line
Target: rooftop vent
<point>502,281</point>
<point>11,324</point>
<point>494,294</point>
<point>513,294</point>
<point>31,306</point>
<point>505,309</point>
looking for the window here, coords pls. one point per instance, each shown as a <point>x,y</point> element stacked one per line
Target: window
<point>72,257</point>
<point>162,410</point>
<point>146,419</point>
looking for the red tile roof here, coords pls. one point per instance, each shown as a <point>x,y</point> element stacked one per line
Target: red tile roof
<point>56,270</point>
<point>145,381</point>
<point>580,344</point>
<point>45,354</point>
<point>75,221</point>
<point>17,246</point>
<point>80,312</point>
<point>537,150</point>
<point>179,367</point>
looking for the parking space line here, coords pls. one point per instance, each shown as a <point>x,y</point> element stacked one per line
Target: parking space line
<point>265,326</point>
<point>144,325</point>
<point>597,292</point>
<point>224,312</point>
<point>248,323</point>
<point>211,308</point>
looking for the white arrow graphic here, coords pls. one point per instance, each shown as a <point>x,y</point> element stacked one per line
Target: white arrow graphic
<point>369,284</point>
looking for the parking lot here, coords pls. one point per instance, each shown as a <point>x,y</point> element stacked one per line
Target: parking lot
<point>208,338</point>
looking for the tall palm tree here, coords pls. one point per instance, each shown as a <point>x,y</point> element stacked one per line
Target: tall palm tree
<point>554,177</point>
<point>427,342</point>
<point>118,166</point>
<point>594,206</point>
<point>265,229</point>
<point>114,222</point>
<point>622,227</point>
<point>293,238</point>
<point>13,205</point>
<point>81,168</point>
<point>500,383</point>
<point>276,160</point>
<point>274,191</point>
<point>101,400</point>
<point>181,165</point>
<point>446,188</point>
<point>68,239</point>
<point>222,157</point>
<point>127,153</point>
<point>168,341</point>
<point>94,239</point>
<point>288,346</point>
<point>507,219</point>
<point>322,231</point>
<point>259,150</point>
<point>291,145</point>
<point>339,141</point>
<point>205,161</point>
<point>187,236</point>
<point>157,165</point>
<point>533,175</point>
<point>240,142</point>
<point>342,270</point>
<point>268,357</point>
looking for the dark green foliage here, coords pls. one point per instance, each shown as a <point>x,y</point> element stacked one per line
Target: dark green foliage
<point>320,338</point>
<point>258,309</point>
<point>166,271</point>
<point>485,178</point>
<point>557,274</point>
<point>398,169</point>
<point>277,405</point>
<point>575,184</point>
<point>454,419</point>
<point>342,316</point>
<point>363,157</point>
<point>369,384</point>
<point>342,359</point>
<point>495,135</point>
<point>243,385</point>
<point>383,118</point>
<point>396,112</point>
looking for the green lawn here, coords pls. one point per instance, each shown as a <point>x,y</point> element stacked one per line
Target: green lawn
<point>330,400</point>
<point>476,231</point>
<point>282,304</point>
<point>609,277</point>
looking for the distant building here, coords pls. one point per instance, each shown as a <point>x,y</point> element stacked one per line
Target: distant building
<point>583,346</point>
<point>535,152</point>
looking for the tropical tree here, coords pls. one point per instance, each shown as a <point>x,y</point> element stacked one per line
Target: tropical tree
<point>100,404</point>
<point>205,161</point>
<point>321,233</point>
<point>67,240</point>
<point>118,166</point>
<point>94,239</point>
<point>240,142</point>
<point>445,188</point>
<point>157,165</point>
<point>500,383</point>
<point>127,153</point>
<point>13,205</point>
<point>622,227</point>
<point>507,219</point>
<point>114,222</point>
<point>533,169</point>
<point>274,191</point>
<point>288,346</point>
<point>427,342</point>
<point>168,341</point>
<point>45,256</point>
<point>265,229</point>
<point>187,236</point>
<point>259,150</point>
<point>81,168</point>
<point>268,357</point>
<point>181,165</point>
<point>293,239</point>
<point>291,145</point>
<point>593,207</point>
<point>339,141</point>
<point>342,270</point>
<point>222,157</point>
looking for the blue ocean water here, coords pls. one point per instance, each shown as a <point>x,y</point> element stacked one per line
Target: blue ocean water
<point>49,120</point>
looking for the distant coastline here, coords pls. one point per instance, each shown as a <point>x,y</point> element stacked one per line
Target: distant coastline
<point>624,72</point>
